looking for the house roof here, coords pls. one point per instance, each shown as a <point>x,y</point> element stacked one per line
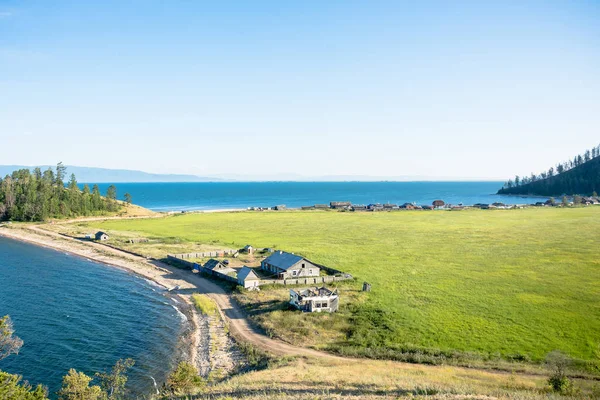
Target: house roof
<point>212,264</point>
<point>225,271</point>
<point>283,260</point>
<point>246,273</point>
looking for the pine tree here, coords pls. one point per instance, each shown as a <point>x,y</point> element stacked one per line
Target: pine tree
<point>27,196</point>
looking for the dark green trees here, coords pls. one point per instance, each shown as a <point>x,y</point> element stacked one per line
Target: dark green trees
<point>27,196</point>
<point>579,176</point>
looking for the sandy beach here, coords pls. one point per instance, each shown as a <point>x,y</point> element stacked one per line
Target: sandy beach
<point>201,329</point>
<point>169,276</point>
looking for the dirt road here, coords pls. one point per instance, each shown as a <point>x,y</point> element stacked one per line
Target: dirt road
<point>169,277</point>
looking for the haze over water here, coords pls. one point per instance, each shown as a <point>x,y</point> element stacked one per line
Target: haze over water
<point>75,313</point>
<point>231,195</point>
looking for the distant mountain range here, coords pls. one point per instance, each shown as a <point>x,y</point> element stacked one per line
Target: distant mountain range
<point>105,175</point>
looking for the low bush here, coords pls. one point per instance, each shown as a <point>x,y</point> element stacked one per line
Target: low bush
<point>184,380</point>
<point>205,304</point>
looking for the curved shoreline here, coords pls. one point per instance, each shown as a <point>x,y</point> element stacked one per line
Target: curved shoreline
<point>167,276</point>
<point>44,239</point>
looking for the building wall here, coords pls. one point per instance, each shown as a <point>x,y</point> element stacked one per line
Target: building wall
<point>248,283</point>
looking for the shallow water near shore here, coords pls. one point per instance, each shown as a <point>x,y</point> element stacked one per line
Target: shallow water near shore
<point>75,313</point>
<point>232,195</point>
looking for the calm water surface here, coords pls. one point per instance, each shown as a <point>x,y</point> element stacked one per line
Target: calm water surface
<point>229,195</point>
<point>75,313</point>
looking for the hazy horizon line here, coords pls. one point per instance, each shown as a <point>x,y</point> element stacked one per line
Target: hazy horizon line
<point>280,177</point>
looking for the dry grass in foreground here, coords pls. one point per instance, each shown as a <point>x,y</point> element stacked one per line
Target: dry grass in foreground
<point>370,379</point>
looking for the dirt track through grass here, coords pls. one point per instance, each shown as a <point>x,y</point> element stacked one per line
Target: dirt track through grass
<point>514,283</point>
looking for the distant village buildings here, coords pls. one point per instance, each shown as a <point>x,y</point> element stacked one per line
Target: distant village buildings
<point>340,205</point>
<point>438,203</point>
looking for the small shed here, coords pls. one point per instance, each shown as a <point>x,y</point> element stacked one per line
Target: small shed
<point>101,236</point>
<point>279,207</point>
<point>247,278</point>
<point>248,249</point>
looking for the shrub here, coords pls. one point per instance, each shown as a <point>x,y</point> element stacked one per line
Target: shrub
<point>185,380</point>
<point>11,388</point>
<point>76,386</point>
<point>559,382</point>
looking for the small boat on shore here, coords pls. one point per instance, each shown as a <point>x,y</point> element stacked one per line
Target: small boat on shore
<point>177,287</point>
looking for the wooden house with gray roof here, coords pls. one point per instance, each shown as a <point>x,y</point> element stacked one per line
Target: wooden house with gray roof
<point>288,265</point>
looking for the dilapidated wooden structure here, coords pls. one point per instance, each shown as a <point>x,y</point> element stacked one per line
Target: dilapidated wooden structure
<point>315,299</point>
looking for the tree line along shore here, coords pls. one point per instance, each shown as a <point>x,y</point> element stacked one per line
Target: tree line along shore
<point>38,195</point>
<point>579,176</point>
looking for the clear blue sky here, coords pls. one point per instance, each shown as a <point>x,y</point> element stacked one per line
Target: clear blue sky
<point>386,88</point>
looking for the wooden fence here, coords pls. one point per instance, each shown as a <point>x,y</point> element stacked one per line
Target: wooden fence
<point>306,281</point>
<point>216,253</point>
<point>182,259</point>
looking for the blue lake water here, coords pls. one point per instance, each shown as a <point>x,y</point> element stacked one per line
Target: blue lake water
<point>230,195</point>
<point>75,313</point>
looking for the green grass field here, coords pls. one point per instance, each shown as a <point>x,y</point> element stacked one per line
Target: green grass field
<point>505,283</point>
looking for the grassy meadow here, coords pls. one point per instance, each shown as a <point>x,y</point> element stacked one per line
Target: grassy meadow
<point>505,284</point>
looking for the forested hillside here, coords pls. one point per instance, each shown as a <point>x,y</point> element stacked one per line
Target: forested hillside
<point>578,176</point>
<point>37,195</point>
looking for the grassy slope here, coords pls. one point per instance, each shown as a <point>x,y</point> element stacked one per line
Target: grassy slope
<point>375,379</point>
<point>507,282</point>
